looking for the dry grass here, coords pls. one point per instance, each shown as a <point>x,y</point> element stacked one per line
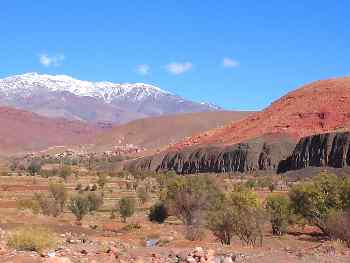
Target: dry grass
<point>32,239</point>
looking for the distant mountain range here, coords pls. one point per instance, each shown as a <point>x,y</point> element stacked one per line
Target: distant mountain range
<point>64,96</point>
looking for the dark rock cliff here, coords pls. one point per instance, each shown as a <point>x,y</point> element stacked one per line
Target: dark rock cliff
<point>263,153</point>
<point>329,149</point>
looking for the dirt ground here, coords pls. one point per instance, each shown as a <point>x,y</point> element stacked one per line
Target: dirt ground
<point>92,241</point>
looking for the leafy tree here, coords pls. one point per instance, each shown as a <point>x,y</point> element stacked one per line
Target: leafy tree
<point>189,197</point>
<point>237,214</point>
<point>316,200</point>
<point>95,201</point>
<point>34,168</point>
<point>278,208</point>
<point>126,207</point>
<point>59,193</point>
<point>79,206</point>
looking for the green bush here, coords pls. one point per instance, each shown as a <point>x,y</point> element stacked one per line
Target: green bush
<point>251,184</point>
<point>158,213</point>
<point>316,200</point>
<point>34,168</point>
<point>278,208</point>
<point>189,197</point>
<point>95,201</point>
<point>32,239</point>
<point>79,206</point>
<point>240,214</point>
<point>59,193</point>
<point>126,207</point>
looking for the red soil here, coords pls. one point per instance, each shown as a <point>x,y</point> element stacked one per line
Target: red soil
<point>318,107</point>
<point>26,131</point>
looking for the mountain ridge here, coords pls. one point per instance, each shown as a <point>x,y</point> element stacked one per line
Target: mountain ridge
<point>64,96</point>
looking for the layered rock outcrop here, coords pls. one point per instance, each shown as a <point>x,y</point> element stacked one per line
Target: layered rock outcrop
<point>329,149</point>
<point>262,153</point>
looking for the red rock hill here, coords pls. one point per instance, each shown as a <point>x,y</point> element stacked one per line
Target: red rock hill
<point>319,107</point>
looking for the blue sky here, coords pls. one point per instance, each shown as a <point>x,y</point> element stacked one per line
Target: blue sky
<point>237,54</point>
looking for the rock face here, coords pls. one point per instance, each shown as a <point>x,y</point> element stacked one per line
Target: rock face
<point>329,149</point>
<point>262,153</point>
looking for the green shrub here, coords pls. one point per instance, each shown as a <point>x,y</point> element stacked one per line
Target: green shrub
<point>251,184</point>
<point>79,206</point>
<point>32,239</point>
<point>240,214</point>
<point>316,200</point>
<point>58,192</point>
<point>95,201</point>
<point>158,212</point>
<point>278,208</point>
<point>126,207</point>
<point>34,168</point>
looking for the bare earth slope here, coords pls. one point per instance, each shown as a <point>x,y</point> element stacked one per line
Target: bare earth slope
<point>158,132</point>
<point>319,107</point>
<point>26,131</point>
<point>245,146</point>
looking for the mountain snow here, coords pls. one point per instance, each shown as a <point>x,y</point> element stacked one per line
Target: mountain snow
<point>65,97</point>
<point>24,85</point>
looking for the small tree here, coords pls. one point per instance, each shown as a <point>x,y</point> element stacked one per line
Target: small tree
<point>95,201</point>
<point>158,212</point>
<point>79,206</point>
<point>316,200</point>
<point>238,214</point>
<point>220,221</point>
<point>58,192</point>
<point>278,207</point>
<point>126,207</point>
<point>34,168</point>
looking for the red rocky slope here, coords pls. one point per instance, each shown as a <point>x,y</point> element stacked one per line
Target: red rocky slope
<point>319,107</point>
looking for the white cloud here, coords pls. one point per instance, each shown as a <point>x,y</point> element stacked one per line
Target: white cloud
<point>48,61</point>
<point>178,68</point>
<point>143,69</point>
<point>230,63</point>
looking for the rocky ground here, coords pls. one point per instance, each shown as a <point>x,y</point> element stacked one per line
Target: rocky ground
<point>74,248</point>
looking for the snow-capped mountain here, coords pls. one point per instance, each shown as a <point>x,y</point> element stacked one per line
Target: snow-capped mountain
<point>64,96</point>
